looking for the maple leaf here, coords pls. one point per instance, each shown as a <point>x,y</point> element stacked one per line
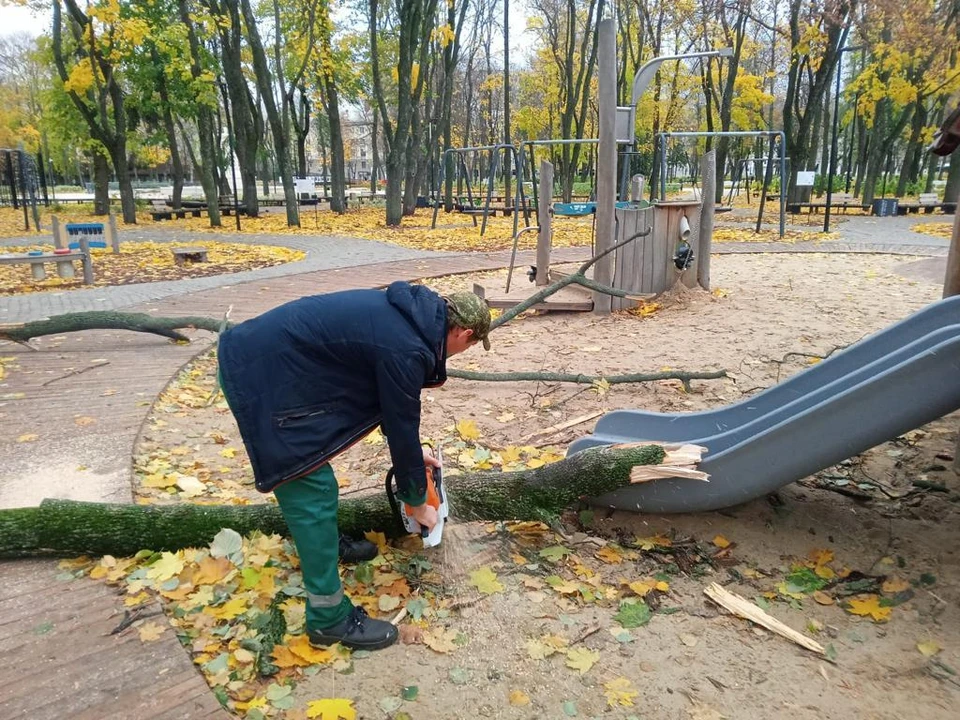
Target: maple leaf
<point>150,632</point>
<point>168,566</point>
<point>440,640</point>
<point>331,709</point>
<point>649,543</point>
<point>212,570</point>
<point>300,646</point>
<point>929,648</point>
<point>468,430</point>
<point>378,539</point>
<point>485,580</point>
<point>721,542</point>
<point>27,437</point>
<point>83,420</point>
<point>229,452</point>
<point>632,615</point>
<point>619,691</point>
<point>869,605</point>
<point>894,585</point>
<point>519,698</point>
<point>554,553</point>
<point>229,610</point>
<point>582,659</point>
<point>609,555</point>
<point>822,598</point>
<point>386,603</point>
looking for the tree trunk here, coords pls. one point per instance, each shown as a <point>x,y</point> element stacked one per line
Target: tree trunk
<point>338,178</point>
<point>951,192</point>
<point>910,172</point>
<point>128,203</point>
<point>205,124</point>
<point>247,125</point>
<point>101,184</point>
<point>176,163</point>
<point>67,528</point>
<point>108,320</point>
<point>281,140</point>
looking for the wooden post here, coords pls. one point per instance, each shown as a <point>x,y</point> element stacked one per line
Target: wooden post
<point>606,162</point>
<point>57,239</point>
<point>708,173</point>
<point>112,231</point>
<point>87,261</point>
<point>545,219</point>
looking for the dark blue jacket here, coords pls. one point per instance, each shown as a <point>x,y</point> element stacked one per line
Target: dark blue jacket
<point>310,378</point>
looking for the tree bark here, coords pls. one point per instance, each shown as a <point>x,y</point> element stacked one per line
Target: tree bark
<point>169,126</point>
<point>247,123</point>
<point>338,178</point>
<point>101,184</point>
<point>205,124</point>
<point>281,140</point>
<point>66,528</point>
<point>108,320</point>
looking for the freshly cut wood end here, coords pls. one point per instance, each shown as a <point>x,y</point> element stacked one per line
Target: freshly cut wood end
<point>680,460</point>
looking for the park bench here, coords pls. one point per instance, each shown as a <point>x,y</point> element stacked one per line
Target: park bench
<point>815,208</point>
<point>182,255</point>
<point>928,202</point>
<point>179,214</point>
<point>63,259</point>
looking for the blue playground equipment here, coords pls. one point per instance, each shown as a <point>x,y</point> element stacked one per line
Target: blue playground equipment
<point>92,231</point>
<point>893,381</point>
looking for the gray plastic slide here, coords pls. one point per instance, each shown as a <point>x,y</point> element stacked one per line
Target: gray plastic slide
<point>893,381</point>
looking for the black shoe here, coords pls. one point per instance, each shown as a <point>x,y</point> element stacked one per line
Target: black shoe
<point>358,631</point>
<point>354,551</point>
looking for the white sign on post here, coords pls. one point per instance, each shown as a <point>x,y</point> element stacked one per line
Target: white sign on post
<point>805,178</point>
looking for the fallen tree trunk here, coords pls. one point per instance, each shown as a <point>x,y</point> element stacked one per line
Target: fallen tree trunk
<point>108,320</point>
<point>683,376</point>
<point>70,528</point>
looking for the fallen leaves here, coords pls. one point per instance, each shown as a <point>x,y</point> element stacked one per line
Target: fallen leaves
<point>331,709</point>
<point>454,231</point>
<point>929,648</point>
<point>582,659</point>
<point>619,691</point>
<point>467,429</point>
<point>518,698</point>
<point>143,262</point>
<point>150,632</point>
<point>440,640</point>
<point>869,606</point>
<point>942,230</point>
<point>485,580</point>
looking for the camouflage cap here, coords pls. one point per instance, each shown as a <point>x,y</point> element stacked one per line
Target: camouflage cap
<point>470,311</point>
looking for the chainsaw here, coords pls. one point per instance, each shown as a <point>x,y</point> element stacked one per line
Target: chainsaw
<point>436,496</point>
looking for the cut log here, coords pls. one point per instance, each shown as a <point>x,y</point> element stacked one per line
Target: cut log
<point>69,528</point>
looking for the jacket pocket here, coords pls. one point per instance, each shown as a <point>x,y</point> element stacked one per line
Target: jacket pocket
<point>296,416</point>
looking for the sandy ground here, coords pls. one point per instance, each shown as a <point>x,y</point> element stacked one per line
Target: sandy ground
<point>694,662</point>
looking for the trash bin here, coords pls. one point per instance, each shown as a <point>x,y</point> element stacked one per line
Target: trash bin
<point>883,207</point>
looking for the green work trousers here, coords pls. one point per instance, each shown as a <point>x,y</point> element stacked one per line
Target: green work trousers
<point>309,505</point>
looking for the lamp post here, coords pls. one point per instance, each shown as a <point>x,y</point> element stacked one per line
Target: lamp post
<point>833,136</point>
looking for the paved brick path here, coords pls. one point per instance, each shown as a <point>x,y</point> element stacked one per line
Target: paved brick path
<point>120,375</point>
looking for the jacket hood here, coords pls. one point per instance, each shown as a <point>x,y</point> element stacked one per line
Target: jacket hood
<point>425,310</point>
